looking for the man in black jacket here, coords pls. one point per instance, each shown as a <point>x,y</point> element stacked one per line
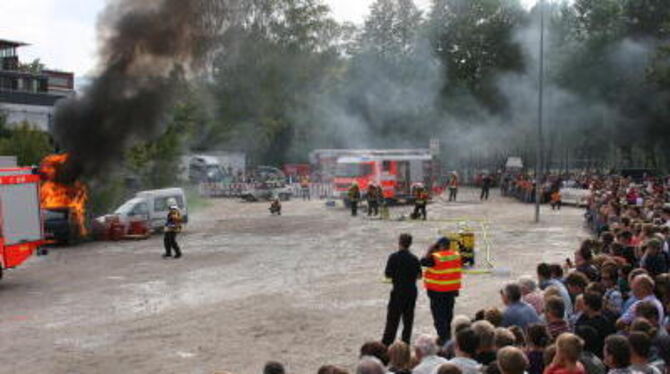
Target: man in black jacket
<point>404,269</point>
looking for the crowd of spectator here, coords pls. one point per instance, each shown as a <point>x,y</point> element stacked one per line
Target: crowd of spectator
<point>605,310</point>
<point>522,186</point>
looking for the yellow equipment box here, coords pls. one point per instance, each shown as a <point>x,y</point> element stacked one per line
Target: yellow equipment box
<point>463,242</point>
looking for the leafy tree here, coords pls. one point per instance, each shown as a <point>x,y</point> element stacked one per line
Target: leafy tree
<point>392,29</point>
<point>24,141</point>
<point>34,67</point>
<point>386,95</point>
<point>272,61</point>
<point>475,41</point>
<point>156,163</point>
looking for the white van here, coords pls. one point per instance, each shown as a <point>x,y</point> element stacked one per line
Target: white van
<point>152,206</point>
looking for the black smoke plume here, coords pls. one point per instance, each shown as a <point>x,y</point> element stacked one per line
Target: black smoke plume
<point>147,46</point>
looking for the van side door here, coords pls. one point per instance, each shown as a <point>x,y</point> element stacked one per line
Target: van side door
<point>159,211</point>
<point>140,213</point>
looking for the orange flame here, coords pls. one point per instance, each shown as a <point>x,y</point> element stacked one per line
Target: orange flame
<point>54,195</point>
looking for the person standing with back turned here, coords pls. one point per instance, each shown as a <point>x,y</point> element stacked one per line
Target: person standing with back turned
<point>442,279</point>
<point>404,269</point>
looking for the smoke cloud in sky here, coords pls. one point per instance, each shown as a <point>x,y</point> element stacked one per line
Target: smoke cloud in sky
<point>146,47</point>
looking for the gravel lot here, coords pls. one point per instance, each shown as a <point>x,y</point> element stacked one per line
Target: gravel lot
<point>305,288</point>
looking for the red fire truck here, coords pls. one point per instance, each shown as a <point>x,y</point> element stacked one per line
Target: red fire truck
<point>21,226</point>
<point>396,171</point>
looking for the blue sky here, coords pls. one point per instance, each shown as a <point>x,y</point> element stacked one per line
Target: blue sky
<point>62,33</point>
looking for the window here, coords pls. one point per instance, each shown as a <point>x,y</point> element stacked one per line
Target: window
<point>386,166</point>
<point>5,83</point>
<point>140,209</point>
<point>59,81</point>
<point>42,85</point>
<point>161,203</point>
<point>27,84</point>
<point>353,170</point>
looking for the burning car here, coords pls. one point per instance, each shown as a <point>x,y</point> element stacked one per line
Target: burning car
<point>60,226</point>
<point>63,205</point>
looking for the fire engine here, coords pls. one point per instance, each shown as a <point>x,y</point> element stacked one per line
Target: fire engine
<point>20,218</point>
<point>396,171</point>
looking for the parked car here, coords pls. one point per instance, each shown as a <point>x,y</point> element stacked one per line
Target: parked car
<point>59,227</point>
<point>267,192</point>
<point>151,207</point>
<point>573,193</point>
<point>206,169</point>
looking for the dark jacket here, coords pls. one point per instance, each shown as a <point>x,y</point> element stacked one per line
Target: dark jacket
<point>404,269</point>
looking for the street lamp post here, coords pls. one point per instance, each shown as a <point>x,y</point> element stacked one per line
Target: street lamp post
<point>540,138</point>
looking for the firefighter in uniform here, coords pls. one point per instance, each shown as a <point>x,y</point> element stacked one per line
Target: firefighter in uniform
<point>354,197</point>
<point>453,186</point>
<point>442,279</point>
<point>373,200</point>
<point>420,202</point>
<point>275,207</point>
<point>172,227</point>
<point>304,187</point>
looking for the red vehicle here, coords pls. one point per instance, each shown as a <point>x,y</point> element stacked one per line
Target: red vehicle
<point>20,216</point>
<point>396,171</point>
<point>297,170</point>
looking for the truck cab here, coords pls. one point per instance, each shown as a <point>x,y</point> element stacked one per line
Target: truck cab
<point>396,171</point>
<point>350,171</point>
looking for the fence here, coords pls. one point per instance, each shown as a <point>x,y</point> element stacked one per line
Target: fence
<point>316,190</point>
<point>236,190</point>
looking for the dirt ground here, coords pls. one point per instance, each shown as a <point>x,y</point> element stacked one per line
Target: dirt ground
<point>304,289</point>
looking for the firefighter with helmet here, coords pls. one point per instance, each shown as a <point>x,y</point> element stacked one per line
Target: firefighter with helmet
<point>304,187</point>
<point>372,196</point>
<point>420,202</point>
<point>172,228</point>
<point>442,279</point>
<point>354,195</point>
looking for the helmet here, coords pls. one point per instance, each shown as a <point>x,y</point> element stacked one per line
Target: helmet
<point>443,242</point>
<point>174,207</point>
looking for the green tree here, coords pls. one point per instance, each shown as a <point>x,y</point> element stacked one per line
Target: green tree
<point>386,95</point>
<point>24,141</point>
<point>475,41</point>
<point>156,163</point>
<point>392,29</point>
<point>272,61</point>
<point>34,67</point>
